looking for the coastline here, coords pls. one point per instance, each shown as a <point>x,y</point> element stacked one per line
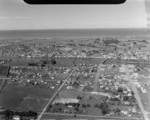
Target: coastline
<point>73,33</point>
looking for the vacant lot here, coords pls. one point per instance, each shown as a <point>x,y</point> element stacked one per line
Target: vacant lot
<point>30,97</point>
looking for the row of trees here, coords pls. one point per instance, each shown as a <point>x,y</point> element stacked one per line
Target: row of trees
<point>110,41</point>
<point>8,114</point>
<point>104,108</point>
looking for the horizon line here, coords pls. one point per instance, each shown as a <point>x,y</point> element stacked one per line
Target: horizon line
<point>68,29</point>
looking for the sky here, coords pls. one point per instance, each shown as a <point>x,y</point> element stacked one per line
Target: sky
<point>17,15</point>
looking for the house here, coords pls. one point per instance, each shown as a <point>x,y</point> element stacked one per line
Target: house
<point>66,110</point>
<point>129,94</point>
<point>143,90</point>
<point>16,117</point>
<point>124,112</point>
<point>69,87</point>
<point>133,110</point>
<point>126,103</point>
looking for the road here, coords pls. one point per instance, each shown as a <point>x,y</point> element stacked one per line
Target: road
<point>124,61</point>
<point>95,116</point>
<point>3,83</point>
<point>134,89</point>
<point>39,117</point>
<point>98,75</point>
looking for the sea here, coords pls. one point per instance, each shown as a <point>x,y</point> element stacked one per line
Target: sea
<point>72,33</point>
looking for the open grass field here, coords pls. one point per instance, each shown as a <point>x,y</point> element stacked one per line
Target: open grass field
<point>20,62</point>
<point>61,76</point>
<point>145,97</point>
<point>87,99</point>
<point>71,117</point>
<point>58,116</point>
<point>1,81</point>
<point>34,104</point>
<point>82,78</point>
<point>143,80</point>
<point>60,62</point>
<point>28,97</point>
<point>68,62</point>
<point>65,117</point>
<point>4,70</point>
<point>144,72</point>
<point>149,116</point>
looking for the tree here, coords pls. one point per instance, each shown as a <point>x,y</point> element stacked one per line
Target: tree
<point>90,98</point>
<point>120,89</point>
<point>8,114</point>
<point>115,48</point>
<point>115,99</point>
<point>96,105</point>
<point>32,113</point>
<point>104,112</point>
<point>74,63</point>
<point>117,110</point>
<point>114,92</point>
<point>83,105</point>
<point>60,109</point>
<point>104,107</point>
<point>78,104</point>
<point>139,48</point>
<point>88,105</point>
<point>79,97</point>
<point>132,92</point>
<point>76,108</point>
<point>75,115</point>
<point>126,98</point>
<point>53,61</point>
<point>49,107</point>
<point>134,43</point>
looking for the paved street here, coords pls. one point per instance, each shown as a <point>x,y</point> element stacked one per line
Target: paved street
<point>39,117</point>
<point>98,74</point>
<point>133,87</point>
